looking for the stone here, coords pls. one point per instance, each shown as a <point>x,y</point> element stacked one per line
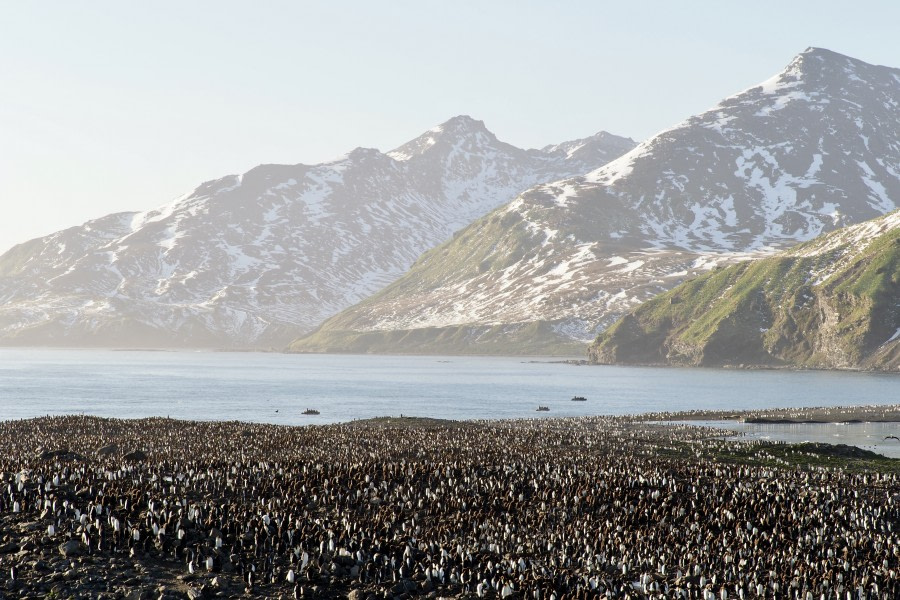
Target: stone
<point>59,454</point>
<point>71,548</point>
<point>220,583</point>
<point>40,565</point>
<point>344,561</point>
<point>9,548</point>
<point>136,455</point>
<point>107,450</point>
<point>403,586</point>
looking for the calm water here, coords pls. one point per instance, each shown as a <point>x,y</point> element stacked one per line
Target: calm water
<point>276,388</point>
<point>869,436</point>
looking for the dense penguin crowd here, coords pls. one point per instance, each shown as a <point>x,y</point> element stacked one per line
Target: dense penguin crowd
<point>550,509</point>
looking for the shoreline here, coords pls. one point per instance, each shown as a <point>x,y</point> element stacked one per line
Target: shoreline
<point>525,358</point>
<point>874,413</point>
<point>821,415</point>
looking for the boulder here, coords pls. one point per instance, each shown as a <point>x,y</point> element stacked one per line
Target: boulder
<point>59,455</point>
<point>219,583</point>
<point>71,548</point>
<point>107,450</point>
<point>136,455</point>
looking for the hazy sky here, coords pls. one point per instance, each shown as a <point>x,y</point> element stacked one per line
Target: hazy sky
<point>117,106</point>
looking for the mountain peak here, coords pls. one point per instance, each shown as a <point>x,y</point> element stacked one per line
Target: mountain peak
<point>461,124</point>
<point>602,140</point>
<point>459,127</point>
<point>817,76</point>
<point>361,152</point>
<point>813,148</point>
<point>256,259</point>
<point>821,66</point>
<point>825,53</point>
<point>815,59</point>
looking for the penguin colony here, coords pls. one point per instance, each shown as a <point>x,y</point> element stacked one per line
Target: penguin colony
<point>543,509</point>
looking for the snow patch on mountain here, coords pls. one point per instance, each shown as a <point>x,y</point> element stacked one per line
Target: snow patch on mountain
<point>253,260</point>
<point>844,245</point>
<point>812,149</point>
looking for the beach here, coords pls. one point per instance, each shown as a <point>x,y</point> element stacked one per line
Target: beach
<point>587,507</point>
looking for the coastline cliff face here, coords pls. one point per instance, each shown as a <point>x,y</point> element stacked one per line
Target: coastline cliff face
<point>831,303</point>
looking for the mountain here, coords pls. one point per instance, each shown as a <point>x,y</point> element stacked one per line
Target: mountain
<point>255,260</point>
<point>814,148</point>
<point>832,303</point>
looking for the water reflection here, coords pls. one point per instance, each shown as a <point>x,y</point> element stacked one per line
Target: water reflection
<point>868,436</point>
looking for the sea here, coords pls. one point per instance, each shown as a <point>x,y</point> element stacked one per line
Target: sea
<point>278,388</point>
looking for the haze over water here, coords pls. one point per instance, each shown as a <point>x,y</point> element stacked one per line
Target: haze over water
<point>276,388</point>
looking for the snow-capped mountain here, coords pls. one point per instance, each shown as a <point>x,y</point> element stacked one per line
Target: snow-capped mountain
<point>814,148</point>
<point>254,260</point>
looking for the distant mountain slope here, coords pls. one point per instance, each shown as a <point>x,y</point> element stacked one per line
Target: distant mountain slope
<point>257,259</point>
<point>833,302</point>
<point>812,149</point>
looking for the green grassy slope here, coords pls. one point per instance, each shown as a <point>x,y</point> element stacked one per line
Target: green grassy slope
<point>484,249</point>
<point>833,302</point>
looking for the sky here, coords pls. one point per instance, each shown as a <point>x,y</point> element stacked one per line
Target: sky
<point>110,106</point>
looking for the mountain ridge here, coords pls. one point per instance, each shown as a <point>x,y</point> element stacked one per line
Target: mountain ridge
<point>811,149</point>
<point>255,259</point>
